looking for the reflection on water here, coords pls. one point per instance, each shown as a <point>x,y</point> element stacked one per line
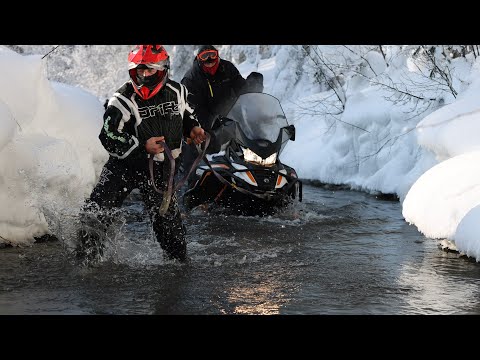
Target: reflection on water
<point>438,284</point>
<point>266,294</point>
<point>256,300</point>
<point>338,252</point>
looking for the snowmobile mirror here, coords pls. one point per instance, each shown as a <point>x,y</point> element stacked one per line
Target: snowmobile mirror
<point>291,131</point>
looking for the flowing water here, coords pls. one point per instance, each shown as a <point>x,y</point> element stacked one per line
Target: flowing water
<point>337,252</point>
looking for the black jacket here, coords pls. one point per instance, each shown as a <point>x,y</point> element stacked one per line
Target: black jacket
<point>129,121</point>
<point>213,95</point>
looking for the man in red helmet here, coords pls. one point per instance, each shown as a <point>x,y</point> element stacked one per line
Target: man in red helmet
<point>148,110</point>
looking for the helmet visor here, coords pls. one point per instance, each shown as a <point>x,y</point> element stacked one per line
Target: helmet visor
<point>161,65</point>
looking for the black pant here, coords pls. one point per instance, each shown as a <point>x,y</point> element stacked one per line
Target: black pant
<point>117,180</point>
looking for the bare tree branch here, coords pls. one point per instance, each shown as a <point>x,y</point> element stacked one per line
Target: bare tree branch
<point>444,74</point>
<point>363,58</point>
<point>383,54</point>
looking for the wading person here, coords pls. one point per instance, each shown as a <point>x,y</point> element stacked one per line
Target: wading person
<point>146,112</point>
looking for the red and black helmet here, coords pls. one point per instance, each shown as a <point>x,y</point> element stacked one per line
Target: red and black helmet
<point>153,57</point>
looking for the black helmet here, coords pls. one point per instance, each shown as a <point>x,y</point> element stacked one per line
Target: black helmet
<point>206,47</point>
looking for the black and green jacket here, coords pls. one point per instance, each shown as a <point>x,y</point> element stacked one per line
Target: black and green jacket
<point>129,121</point>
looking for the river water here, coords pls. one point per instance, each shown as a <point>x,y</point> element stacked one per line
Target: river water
<point>337,252</point>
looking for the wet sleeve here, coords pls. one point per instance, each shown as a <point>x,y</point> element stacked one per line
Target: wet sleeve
<point>117,142</point>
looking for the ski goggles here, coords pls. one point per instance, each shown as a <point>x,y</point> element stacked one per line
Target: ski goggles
<point>205,55</point>
<point>161,65</point>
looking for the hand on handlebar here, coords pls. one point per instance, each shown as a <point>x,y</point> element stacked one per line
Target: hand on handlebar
<point>198,135</point>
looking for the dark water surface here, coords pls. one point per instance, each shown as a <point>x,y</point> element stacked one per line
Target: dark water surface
<point>338,252</point>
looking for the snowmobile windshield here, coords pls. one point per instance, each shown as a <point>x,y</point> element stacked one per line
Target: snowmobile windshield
<point>259,115</point>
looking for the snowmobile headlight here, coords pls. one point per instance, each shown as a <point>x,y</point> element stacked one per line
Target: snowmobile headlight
<point>251,157</point>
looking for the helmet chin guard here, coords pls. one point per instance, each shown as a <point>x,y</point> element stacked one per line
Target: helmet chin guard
<point>152,57</point>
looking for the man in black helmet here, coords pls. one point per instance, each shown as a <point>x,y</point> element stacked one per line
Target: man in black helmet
<point>214,84</point>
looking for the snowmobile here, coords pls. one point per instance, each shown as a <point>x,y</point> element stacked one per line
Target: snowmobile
<point>242,170</point>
